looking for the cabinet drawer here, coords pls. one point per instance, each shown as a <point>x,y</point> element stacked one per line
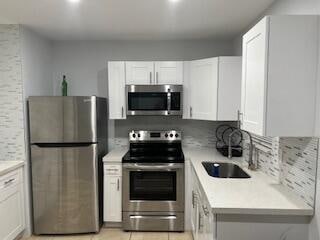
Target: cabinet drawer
<point>10,179</point>
<point>113,169</point>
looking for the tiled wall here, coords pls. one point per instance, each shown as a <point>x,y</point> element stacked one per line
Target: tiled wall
<point>12,144</point>
<point>290,161</point>
<point>194,133</point>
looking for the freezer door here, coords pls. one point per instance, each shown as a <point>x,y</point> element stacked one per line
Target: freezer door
<point>65,189</point>
<point>62,119</point>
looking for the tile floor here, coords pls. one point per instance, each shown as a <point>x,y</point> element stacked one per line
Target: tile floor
<point>118,234</point>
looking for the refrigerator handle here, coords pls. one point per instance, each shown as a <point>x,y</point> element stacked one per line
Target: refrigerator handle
<point>61,145</point>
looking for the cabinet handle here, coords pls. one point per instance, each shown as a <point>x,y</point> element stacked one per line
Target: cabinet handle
<point>157,77</point>
<point>118,184</point>
<point>190,112</point>
<point>9,181</point>
<point>205,210</point>
<point>193,199</point>
<point>200,222</point>
<point>122,112</point>
<point>150,77</point>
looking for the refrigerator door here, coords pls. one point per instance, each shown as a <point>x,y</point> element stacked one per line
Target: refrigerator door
<point>65,189</point>
<point>62,119</point>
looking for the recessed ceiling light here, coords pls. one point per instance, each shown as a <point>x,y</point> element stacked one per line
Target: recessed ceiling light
<point>74,1</point>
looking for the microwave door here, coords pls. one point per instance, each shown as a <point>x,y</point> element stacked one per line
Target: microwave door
<point>147,103</point>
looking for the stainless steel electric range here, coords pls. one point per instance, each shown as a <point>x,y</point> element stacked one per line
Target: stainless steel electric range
<point>153,182</point>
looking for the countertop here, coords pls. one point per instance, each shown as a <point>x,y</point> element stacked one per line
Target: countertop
<point>8,166</point>
<point>115,155</point>
<point>259,194</point>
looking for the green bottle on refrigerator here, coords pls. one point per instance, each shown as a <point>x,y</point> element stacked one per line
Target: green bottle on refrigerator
<point>64,86</point>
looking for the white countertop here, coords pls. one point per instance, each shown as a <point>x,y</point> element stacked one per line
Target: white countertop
<point>259,194</point>
<point>115,155</point>
<point>8,166</point>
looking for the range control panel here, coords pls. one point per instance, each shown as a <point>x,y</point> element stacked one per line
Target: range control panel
<point>149,136</point>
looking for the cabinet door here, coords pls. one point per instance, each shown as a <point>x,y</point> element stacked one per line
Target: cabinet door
<point>112,199</point>
<point>229,88</point>
<point>168,72</point>
<point>254,78</point>
<point>204,89</point>
<point>12,207</point>
<point>209,225</point>
<point>116,90</point>
<point>139,73</point>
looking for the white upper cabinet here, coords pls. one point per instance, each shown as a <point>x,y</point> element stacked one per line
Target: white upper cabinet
<point>204,89</point>
<point>145,73</point>
<point>139,73</point>
<point>168,72</point>
<point>212,89</point>
<point>229,88</point>
<point>116,90</point>
<point>279,75</point>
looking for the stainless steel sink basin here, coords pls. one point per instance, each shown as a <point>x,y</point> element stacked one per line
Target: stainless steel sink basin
<point>224,170</point>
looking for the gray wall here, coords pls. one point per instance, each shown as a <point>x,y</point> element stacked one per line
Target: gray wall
<point>85,63</point>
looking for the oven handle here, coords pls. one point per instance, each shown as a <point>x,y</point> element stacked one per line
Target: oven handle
<point>153,217</point>
<point>136,166</point>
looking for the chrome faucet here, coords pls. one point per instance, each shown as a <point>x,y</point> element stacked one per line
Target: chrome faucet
<point>251,164</point>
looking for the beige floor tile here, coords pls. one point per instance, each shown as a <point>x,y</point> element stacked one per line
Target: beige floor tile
<point>37,238</point>
<point>180,236</point>
<point>112,234</point>
<point>73,237</point>
<point>149,236</point>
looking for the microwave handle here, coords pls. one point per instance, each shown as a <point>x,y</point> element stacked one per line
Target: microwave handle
<point>169,101</point>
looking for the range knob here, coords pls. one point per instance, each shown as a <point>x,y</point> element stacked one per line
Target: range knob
<point>171,135</point>
<point>177,135</point>
<point>166,135</point>
<point>134,135</point>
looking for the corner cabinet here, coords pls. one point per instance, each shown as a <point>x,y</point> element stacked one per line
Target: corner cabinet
<point>116,90</point>
<point>112,192</point>
<point>12,204</point>
<point>207,225</point>
<point>279,76</point>
<point>212,89</point>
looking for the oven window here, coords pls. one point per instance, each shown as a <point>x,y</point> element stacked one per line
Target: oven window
<point>147,101</point>
<point>153,186</point>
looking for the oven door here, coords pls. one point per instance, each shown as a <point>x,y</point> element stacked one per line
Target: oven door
<point>153,187</point>
<point>154,99</point>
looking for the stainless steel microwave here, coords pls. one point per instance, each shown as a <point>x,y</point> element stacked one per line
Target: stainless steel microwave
<point>154,100</point>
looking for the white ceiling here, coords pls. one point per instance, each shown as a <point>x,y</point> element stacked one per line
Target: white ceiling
<point>133,19</point>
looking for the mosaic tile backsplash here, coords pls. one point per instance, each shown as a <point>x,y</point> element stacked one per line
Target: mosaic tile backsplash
<point>290,161</point>
<point>195,133</point>
<point>12,144</point>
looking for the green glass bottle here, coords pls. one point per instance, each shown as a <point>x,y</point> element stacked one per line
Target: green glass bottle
<point>64,86</point>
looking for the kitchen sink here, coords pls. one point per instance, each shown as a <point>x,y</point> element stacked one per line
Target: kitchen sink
<point>224,170</point>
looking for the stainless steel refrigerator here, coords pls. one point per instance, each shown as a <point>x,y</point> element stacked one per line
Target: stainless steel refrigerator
<point>68,138</point>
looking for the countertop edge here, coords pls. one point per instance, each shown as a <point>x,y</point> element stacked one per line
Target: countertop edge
<point>16,165</point>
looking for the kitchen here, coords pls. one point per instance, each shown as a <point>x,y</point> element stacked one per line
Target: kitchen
<point>278,201</point>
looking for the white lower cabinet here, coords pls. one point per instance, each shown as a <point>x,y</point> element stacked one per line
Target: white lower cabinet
<point>206,225</point>
<point>12,205</point>
<point>112,192</point>
<point>203,221</point>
